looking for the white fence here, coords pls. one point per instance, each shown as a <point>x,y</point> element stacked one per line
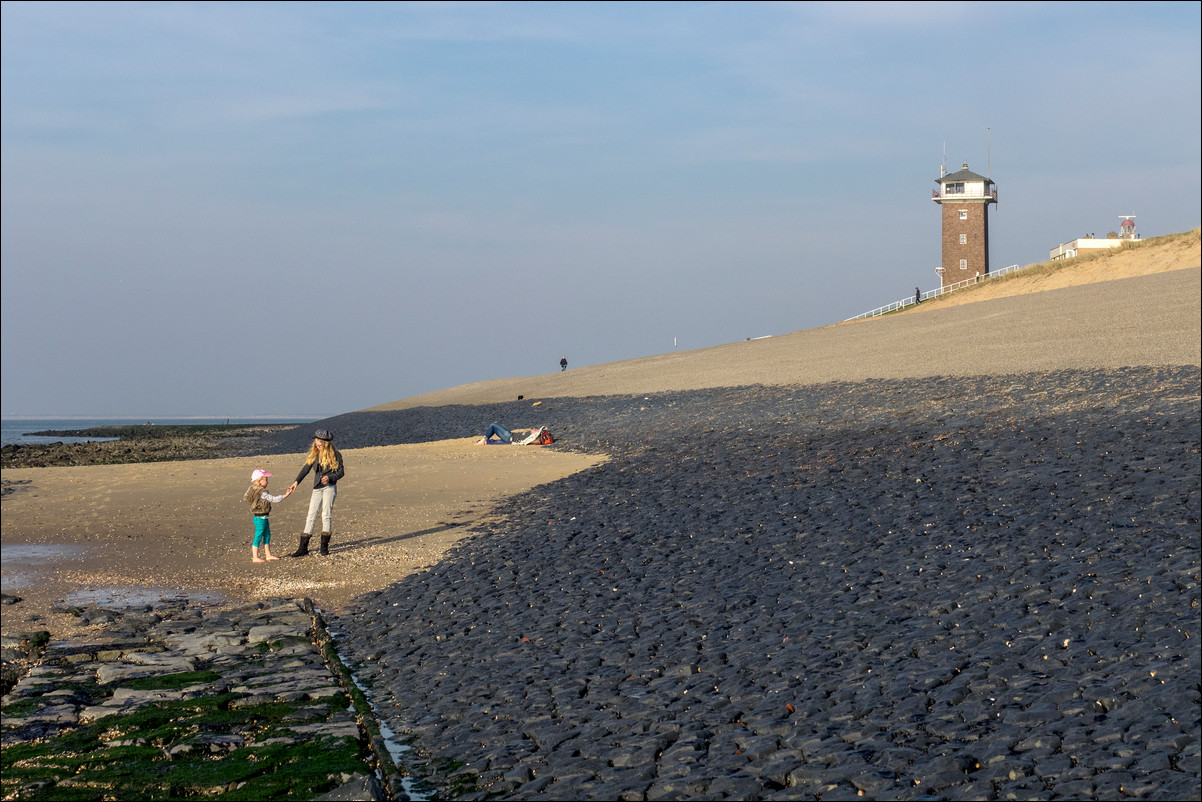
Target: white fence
<point>911,300</point>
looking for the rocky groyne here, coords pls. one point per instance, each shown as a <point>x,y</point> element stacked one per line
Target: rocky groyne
<point>180,700</point>
<point>116,445</point>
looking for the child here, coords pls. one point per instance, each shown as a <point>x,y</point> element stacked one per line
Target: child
<point>260,506</point>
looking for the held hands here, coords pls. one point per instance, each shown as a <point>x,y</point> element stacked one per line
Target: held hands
<point>291,487</point>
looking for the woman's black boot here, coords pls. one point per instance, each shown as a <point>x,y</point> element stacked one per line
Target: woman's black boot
<point>303,548</point>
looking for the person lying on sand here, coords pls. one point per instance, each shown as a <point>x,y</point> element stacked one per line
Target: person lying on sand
<point>505,438</point>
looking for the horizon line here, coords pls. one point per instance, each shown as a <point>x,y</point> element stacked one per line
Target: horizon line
<point>289,418</point>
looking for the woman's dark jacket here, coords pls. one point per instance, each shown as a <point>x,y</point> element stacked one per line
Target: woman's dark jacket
<point>318,471</point>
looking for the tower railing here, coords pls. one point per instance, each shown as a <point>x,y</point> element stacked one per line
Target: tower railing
<point>922,296</point>
<point>939,194</point>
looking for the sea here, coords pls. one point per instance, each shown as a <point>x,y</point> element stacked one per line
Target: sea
<point>20,430</point>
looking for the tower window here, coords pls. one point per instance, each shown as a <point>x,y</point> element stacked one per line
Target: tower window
<point>963,239</point>
<point>963,264</point>
<point>964,214</point>
<point>953,188</point>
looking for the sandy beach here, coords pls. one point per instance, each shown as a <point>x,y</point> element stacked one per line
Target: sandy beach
<point>81,534</point>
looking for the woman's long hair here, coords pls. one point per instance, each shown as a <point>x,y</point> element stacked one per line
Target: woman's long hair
<point>329,457</point>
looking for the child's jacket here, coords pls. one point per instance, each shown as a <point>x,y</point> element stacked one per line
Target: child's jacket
<point>259,500</point>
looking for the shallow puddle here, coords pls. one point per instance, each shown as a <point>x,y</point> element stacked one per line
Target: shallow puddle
<point>18,562</point>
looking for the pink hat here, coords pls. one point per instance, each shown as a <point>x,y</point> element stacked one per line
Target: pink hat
<point>258,474</point>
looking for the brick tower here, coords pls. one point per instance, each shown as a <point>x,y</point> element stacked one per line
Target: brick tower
<point>965,198</point>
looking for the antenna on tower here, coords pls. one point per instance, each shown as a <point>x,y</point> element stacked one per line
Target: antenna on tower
<point>943,164</point>
<point>988,155</point>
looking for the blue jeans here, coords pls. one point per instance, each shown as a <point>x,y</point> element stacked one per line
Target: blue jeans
<point>499,431</point>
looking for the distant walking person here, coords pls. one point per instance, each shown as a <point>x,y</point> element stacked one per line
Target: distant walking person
<point>917,295</point>
<point>326,463</point>
<point>563,364</point>
<point>260,507</point>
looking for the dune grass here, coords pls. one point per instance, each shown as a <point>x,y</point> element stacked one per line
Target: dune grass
<point>1185,239</point>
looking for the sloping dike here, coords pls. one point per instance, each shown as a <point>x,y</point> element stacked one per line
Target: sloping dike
<point>962,587</point>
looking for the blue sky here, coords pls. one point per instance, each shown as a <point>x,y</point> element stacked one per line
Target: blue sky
<point>304,209</point>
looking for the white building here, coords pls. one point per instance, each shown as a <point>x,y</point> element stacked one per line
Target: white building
<point>1089,243</point>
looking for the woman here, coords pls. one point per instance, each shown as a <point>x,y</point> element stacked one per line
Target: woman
<point>326,464</point>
